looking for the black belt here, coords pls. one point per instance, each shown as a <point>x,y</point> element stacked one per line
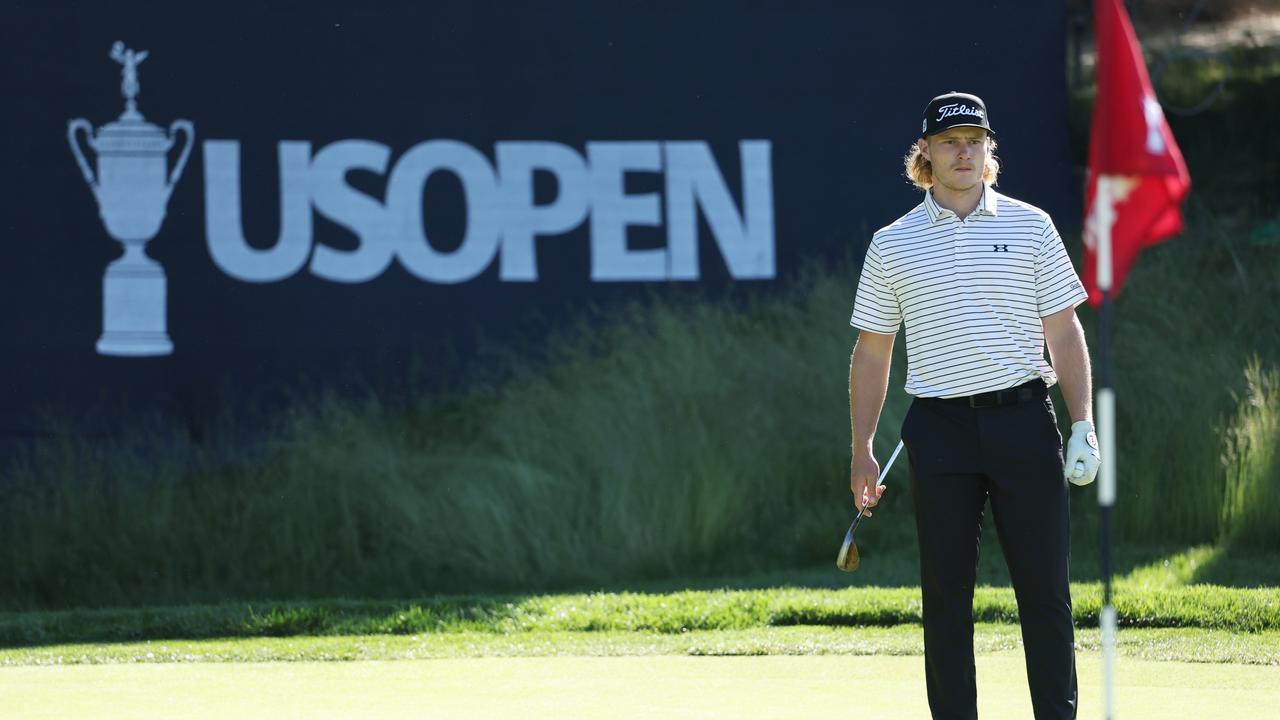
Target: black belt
<point>1026,392</point>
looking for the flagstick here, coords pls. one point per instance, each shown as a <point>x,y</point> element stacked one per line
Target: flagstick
<point>1105,208</point>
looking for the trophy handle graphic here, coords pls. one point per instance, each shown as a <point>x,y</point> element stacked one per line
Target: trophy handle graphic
<point>185,126</point>
<point>72,126</point>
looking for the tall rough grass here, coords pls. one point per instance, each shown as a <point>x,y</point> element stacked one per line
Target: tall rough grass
<point>1196,309</point>
<point>1193,314</point>
<point>661,438</point>
<point>1251,461</point>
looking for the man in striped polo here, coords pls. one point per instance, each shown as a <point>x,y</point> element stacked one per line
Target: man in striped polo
<point>983,284</point>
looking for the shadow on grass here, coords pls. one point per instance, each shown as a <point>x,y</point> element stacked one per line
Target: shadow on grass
<point>897,565</point>
<point>1238,567</point>
<point>261,619</point>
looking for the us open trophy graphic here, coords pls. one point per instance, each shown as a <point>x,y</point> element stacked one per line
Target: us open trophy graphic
<point>132,190</point>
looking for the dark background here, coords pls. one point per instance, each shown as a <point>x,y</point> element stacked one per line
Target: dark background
<point>837,88</point>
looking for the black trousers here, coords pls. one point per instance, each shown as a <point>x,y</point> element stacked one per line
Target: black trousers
<point>960,457</point>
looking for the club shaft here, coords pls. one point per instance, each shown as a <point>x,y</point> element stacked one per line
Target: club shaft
<point>889,464</point>
<point>880,481</point>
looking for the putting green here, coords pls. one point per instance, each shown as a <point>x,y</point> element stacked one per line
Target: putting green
<point>608,687</point>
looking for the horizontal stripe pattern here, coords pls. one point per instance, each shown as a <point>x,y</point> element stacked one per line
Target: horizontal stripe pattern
<point>971,293</point>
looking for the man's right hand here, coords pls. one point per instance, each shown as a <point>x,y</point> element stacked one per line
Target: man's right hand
<point>864,471</point>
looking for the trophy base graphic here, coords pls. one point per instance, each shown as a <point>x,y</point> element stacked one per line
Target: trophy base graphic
<point>133,308</point>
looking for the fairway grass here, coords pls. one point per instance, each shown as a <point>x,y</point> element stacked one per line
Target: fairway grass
<point>618,688</point>
<point>1158,644</point>
<point>1208,607</point>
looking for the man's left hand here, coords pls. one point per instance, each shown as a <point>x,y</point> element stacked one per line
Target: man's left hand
<point>1082,449</point>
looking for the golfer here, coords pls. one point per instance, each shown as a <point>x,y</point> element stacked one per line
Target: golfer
<point>983,284</point>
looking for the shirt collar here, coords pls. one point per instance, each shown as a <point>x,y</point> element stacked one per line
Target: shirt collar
<point>986,205</point>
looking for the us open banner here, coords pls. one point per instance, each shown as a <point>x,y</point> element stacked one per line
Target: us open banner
<point>210,202</point>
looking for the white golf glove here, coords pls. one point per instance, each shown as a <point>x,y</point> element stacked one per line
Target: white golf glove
<point>1082,459</point>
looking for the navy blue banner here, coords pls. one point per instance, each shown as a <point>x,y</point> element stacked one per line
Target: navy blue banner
<point>212,201</point>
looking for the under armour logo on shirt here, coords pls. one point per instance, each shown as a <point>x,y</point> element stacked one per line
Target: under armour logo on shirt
<point>1001,248</point>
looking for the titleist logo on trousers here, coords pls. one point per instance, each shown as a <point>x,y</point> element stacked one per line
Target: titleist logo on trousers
<point>947,111</point>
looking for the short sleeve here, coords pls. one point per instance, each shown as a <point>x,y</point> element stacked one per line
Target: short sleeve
<point>1057,285</point>
<point>875,307</point>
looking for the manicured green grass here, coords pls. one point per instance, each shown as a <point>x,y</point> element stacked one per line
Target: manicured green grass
<point>1162,644</point>
<point>750,688</point>
<point>1198,606</point>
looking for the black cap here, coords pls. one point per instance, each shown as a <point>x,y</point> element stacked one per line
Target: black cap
<point>954,109</point>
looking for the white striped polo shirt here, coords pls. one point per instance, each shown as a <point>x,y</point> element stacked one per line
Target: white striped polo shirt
<point>971,292</point>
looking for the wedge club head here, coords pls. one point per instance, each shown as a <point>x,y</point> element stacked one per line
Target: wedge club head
<point>847,559</point>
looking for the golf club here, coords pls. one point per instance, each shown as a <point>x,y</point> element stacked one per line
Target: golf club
<point>847,560</point>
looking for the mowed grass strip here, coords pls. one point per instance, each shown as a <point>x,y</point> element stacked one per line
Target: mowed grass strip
<point>1162,644</point>
<point>617,688</point>
<point>1199,606</point>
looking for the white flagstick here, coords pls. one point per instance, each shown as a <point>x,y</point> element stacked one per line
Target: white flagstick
<point>1104,208</point>
<point>1105,216</point>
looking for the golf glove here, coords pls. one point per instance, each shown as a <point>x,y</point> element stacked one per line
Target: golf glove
<point>1082,449</point>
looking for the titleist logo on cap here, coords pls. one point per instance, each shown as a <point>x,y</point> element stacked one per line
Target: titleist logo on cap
<point>947,111</point>
<point>954,109</point>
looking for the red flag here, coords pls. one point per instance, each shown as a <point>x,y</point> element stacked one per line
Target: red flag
<point>1130,140</point>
